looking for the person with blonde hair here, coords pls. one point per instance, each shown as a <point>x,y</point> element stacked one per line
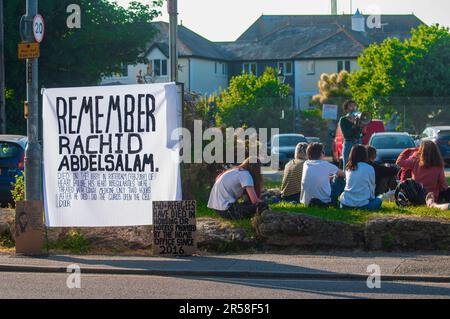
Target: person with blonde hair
<point>231,185</point>
<point>291,185</point>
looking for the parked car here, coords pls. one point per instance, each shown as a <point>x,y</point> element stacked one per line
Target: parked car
<point>376,126</point>
<point>12,163</point>
<point>441,136</point>
<point>390,145</point>
<point>284,145</point>
<point>312,139</point>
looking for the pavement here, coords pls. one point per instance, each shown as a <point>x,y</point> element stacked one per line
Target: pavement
<point>261,276</point>
<point>329,266</point>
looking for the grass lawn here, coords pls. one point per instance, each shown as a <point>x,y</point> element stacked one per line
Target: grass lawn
<point>347,216</point>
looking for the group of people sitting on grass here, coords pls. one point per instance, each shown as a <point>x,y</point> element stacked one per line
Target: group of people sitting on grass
<point>312,181</point>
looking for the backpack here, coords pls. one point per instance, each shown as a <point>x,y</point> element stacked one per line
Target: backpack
<point>410,193</point>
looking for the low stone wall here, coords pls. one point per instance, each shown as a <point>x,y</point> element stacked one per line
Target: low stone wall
<point>274,230</point>
<point>298,230</point>
<point>213,235</point>
<point>284,229</point>
<point>407,234</point>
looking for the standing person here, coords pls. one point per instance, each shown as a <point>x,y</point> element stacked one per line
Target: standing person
<point>427,168</point>
<point>317,173</point>
<point>293,173</point>
<point>350,130</point>
<point>359,192</point>
<point>231,186</point>
<point>385,176</point>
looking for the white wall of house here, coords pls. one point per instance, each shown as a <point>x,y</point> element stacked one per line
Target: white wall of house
<point>306,81</point>
<point>198,75</point>
<point>207,77</point>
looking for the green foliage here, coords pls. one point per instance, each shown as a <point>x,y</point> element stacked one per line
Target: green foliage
<point>257,102</point>
<point>412,74</point>
<point>7,242</point>
<point>18,190</point>
<point>73,243</point>
<point>312,124</point>
<point>109,36</point>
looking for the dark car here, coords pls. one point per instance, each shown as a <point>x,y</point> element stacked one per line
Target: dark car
<point>283,146</point>
<point>12,162</point>
<point>441,136</point>
<point>390,145</point>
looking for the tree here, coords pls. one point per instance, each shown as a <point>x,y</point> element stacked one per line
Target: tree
<point>256,102</point>
<point>110,36</point>
<point>410,78</point>
<point>333,89</point>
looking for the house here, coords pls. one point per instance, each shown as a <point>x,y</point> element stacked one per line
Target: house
<point>202,64</point>
<point>303,46</point>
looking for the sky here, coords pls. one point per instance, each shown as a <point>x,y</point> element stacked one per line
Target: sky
<point>226,20</point>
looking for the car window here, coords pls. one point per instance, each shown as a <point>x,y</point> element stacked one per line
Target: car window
<point>444,134</point>
<point>9,150</point>
<point>288,140</point>
<point>392,142</point>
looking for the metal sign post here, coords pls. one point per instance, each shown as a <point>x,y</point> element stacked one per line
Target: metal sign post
<point>33,157</point>
<point>172,8</point>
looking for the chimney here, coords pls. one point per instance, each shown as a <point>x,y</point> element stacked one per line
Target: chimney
<point>358,22</point>
<point>334,7</point>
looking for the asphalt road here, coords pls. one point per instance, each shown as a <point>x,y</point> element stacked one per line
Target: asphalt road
<point>29,285</point>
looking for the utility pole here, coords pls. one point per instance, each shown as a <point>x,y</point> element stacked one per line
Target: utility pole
<point>33,161</point>
<point>172,8</point>
<point>2,73</point>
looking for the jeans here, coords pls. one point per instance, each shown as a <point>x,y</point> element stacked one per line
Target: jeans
<point>291,198</point>
<point>241,210</point>
<point>346,151</point>
<point>374,204</point>
<point>337,188</point>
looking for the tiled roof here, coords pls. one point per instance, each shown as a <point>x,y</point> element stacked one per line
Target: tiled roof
<point>289,37</point>
<point>190,44</point>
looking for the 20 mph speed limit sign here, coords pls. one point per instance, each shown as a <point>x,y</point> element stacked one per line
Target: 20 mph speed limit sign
<point>38,28</point>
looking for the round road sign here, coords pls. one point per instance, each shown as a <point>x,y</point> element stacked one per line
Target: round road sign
<point>38,28</point>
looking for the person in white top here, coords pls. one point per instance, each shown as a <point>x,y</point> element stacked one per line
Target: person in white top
<point>316,180</point>
<point>359,192</point>
<point>231,185</point>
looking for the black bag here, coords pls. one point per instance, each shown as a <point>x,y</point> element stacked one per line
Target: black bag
<point>410,193</point>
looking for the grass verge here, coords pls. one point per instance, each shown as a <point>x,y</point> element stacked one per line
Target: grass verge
<point>358,216</point>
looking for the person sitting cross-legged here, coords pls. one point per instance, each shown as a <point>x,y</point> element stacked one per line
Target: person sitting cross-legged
<point>230,186</point>
<point>316,180</point>
<point>359,192</point>
<point>292,177</point>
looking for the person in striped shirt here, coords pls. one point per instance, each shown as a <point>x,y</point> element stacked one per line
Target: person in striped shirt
<point>292,177</point>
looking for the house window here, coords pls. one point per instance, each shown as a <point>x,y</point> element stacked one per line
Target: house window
<point>224,69</point>
<point>312,67</point>
<point>159,67</point>
<point>286,66</point>
<point>215,67</point>
<point>344,65</point>
<point>249,68</point>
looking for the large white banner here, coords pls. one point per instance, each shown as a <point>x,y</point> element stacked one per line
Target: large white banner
<point>108,154</point>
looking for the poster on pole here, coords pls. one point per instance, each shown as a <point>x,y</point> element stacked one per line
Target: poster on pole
<point>329,112</point>
<point>109,153</point>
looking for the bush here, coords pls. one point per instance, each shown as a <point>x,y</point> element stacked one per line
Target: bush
<point>74,243</point>
<point>18,191</point>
